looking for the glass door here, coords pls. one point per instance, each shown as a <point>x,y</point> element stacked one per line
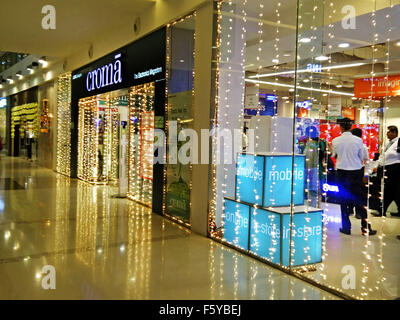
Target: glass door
<point>141,148</point>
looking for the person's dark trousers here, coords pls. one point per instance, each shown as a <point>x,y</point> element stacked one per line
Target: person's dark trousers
<point>29,146</point>
<point>352,193</point>
<point>391,189</point>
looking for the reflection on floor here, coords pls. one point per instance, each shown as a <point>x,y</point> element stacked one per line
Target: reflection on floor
<point>106,248</point>
<point>374,261</point>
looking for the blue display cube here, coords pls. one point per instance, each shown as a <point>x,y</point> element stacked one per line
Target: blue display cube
<point>265,234</point>
<point>250,178</point>
<point>266,179</point>
<point>237,223</point>
<point>278,180</point>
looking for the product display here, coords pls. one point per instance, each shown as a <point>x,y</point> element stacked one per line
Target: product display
<point>258,219</point>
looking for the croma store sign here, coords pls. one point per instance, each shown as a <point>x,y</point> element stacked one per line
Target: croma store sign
<point>379,88</point>
<point>106,75</point>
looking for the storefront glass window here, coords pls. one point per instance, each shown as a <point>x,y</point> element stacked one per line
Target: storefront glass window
<point>291,77</point>
<point>180,116</point>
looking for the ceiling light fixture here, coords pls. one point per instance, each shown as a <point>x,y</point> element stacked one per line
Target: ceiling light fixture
<point>339,66</point>
<point>305,40</point>
<point>299,87</point>
<point>43,62</point>
<point>322,58</point>
<point>344,45</point>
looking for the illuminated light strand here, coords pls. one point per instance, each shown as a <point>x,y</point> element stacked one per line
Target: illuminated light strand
<point>64,124</point>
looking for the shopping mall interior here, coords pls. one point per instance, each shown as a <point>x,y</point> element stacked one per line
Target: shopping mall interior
<point>190,150</point>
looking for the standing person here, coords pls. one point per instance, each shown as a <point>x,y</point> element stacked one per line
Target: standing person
<point>391,134</point>
<point>349,151</point>
<point>390,160</point>
<point>358,133</point>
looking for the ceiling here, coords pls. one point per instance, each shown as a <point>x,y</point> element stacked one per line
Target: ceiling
<point>260,56</point>
<point>78,22</point>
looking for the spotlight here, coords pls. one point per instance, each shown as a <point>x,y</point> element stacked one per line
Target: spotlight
<point>344,45</point>
<point>305,40</point>
<point>43,62</point>
<point>19,75</point>
<point>322,58</point>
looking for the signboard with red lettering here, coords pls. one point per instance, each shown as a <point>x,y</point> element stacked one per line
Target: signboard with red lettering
<point>380,87</point>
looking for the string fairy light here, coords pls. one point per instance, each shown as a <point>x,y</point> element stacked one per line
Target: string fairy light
<point>64,124</point>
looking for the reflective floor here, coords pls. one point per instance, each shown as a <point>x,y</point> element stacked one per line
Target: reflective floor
<point>105,248</point>
<point>374,261</point>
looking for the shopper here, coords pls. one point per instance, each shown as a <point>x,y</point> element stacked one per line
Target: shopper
<point>349,151</point>
<point>358,133</point>
<point>312,164</point>
<point>391,134</point>
<point>390,160</point>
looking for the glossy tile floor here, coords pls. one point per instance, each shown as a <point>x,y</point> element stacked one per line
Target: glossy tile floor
<point>105,248</point>
<point>374,261</point>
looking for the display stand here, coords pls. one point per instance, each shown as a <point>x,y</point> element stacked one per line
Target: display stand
<point>258,218</point>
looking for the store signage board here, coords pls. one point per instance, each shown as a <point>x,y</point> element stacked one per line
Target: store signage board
<point>249,178</point>
<point>105,75</point>
<point>278,180</point>
<point>3,103</point>
<point>148,73</point>
<point>265,234</point>
<point>383,86</point>
<point>307,233</point>
<point>348,112</point>
<point>237,224</point>
<point>334,107</point>
<point>314,67</point>
<point>137,63</point>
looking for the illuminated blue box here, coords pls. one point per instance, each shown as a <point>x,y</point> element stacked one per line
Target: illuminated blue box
<point>307,236</point>
<point>269,232</point>
<point>236,224</point>
<point>265,234</point>
<point>278,180</point>
<point>250,178</point>
<point>266,179</point>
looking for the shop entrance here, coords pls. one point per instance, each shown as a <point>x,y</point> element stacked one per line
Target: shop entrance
<point>141,150</point>
<point>116,141</point>
<point>102,140</point>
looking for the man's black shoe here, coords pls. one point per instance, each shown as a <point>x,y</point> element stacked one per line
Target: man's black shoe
<point>345,231</point>
<point>370,232</point>
<point>395,214</point>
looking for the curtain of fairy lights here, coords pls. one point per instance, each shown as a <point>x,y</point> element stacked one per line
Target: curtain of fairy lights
<point>64,124</point>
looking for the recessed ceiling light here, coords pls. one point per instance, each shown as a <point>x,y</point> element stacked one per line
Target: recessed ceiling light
<point>287,54</point>
<point>305,40</point>
<point>322,58</point>
<point>306,80</point>
<point>275,60</point>
<point>344,45</point>
<point>398,43</point>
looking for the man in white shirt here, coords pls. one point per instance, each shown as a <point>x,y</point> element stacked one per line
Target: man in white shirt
<point>358,133</point>
<point>350,153</point>
<point>390,160</point>
<point>391,134</point>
